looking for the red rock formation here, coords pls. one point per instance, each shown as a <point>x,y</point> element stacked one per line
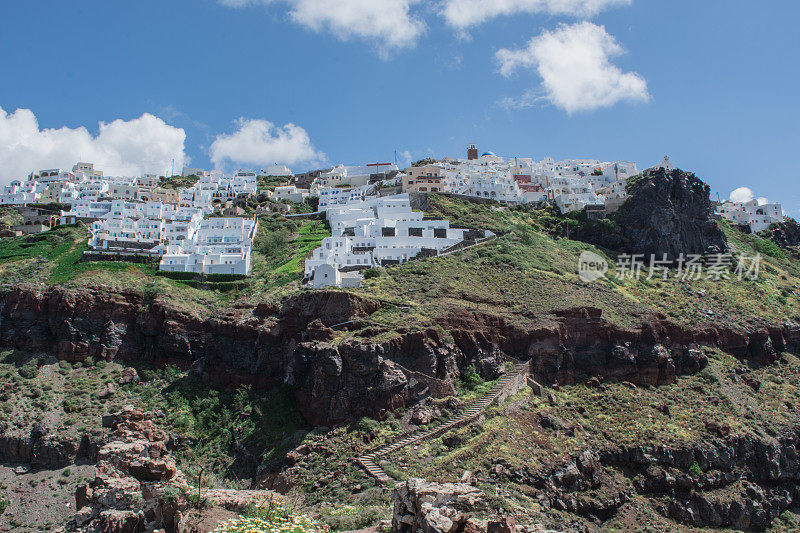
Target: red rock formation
<point>269,344</point>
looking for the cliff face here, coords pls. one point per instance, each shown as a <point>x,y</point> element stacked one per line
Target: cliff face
<point>786,235</point>
<point>667,212</point>
<point>267,345</point>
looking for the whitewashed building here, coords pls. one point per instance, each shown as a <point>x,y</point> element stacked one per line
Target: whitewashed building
<point>377,232</point>
<point>276,170</point>
<point>221,245</point>
<point>288,193</point>
<point>335,196</point>
<point>131,227</point>
<point>757,216</point>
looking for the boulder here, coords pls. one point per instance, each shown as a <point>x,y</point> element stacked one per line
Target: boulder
<point>128,375</point>
<point>434,507</point>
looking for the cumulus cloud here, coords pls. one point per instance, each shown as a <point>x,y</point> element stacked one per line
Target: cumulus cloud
<point>742,194</point>
<point>260,142</point>
<point>574,62</point>
<point>126,148</point>
<point>387,23</point>
<point>463,14</point>
<point>745,194</point>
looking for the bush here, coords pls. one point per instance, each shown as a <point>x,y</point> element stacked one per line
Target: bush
<point>371,273</point>
<point>29,370</point>
<point>768,248</point>
<point>367,425</point>
<point>471,378</point>
<point>3,504</point>
<point>695,469</point>
<point>214,278</point>
<point>179,276</point>
<point>271,243</point>
<point>169,495</point>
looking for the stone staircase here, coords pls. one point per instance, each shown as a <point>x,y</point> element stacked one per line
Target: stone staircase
<point>369,461</point>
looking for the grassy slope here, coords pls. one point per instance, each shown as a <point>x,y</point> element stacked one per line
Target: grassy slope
<point>525,274</point>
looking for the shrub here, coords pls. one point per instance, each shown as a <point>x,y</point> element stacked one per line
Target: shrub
<point>367,425</point>
<point>371,273</point>
<point>224,277</point>
<point>29,370</point>
<point>768,248</point>
<point>695,469</point>
<point>271,243</point>
<point>66,472</point>
<point>179,276</point>
<point>471,378</point>
<point>3,504</point>
<point>169,495</point>
<point>274,517</point>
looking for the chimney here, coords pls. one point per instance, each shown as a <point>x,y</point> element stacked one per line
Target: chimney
<point>472,152</point>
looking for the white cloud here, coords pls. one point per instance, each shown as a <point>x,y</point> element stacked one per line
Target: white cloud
<point>742,194</point>
<point>260,142</point>
<point>574,64</point>
<point>528,99</point>
<point>126,148</point>
<point>462,14</point>
<point>389,24</point>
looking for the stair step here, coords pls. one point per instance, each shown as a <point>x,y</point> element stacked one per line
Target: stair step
<point>367,461</point>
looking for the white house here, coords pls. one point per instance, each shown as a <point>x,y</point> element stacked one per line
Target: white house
<point>333,196</point>
<point>377,232</point>
<point>131,227</point>
<point>757,216</point>
<point>353,176</point>
<point>221,245</point>
<point>17,193</point>
<point>276,170</point>
<point>289,193</point>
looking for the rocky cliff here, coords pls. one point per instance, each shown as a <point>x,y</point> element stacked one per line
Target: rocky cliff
<point>266,345</point>
<point>741,482</point>
<point>667,212</point>
<point>786,235</point>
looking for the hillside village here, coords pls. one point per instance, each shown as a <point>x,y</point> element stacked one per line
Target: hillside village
<point>204,222</point>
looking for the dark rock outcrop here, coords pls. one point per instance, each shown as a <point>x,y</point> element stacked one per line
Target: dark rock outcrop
<point>266,345</point>
<point>741,482</point>
<point>785,234</point>
<point>43,449</point>
<point>667,212</point>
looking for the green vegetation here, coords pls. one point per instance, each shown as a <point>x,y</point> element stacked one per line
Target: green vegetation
<point>268,183</point>
<point>471,379</point>
<point>3,504</point>
<point>29,370</point>
<point>178,182</point>
<point>54,257</point>
<point>212,418</point>
<point>282,245</point>
<point>9,216</point>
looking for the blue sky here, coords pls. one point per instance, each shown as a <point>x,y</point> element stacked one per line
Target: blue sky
<point>712,83</point>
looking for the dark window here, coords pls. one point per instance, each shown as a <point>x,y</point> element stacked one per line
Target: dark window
<point>440,233</point>
<point>415,232</point>
<point>387,232</point>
